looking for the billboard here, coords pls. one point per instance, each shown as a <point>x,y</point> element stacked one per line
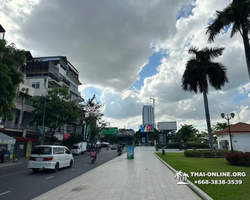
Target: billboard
<point>167,126</point>
<point>147,128</point>
<point>110,131</point>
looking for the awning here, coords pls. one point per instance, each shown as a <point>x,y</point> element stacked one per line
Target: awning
<point>65,136</point>
<point>5,139</point>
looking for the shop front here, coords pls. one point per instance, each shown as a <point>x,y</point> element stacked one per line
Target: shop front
<point>6,143</point>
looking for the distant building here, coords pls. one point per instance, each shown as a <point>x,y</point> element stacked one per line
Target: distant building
<point>126,132</point>
<point>148,115</point>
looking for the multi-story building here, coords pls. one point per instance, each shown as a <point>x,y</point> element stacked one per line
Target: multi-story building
<point>41,74</point>
<point>147,115</point>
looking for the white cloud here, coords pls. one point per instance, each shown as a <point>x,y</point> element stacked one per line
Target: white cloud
<point>109,42</point>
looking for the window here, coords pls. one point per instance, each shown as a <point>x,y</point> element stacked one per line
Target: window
<point>61,151</point>
<point>67,151</point>
<point>42,150</point>
<point>36,85</point>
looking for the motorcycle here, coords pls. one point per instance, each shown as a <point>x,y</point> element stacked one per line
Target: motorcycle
<point>107,148</point>
<point>119,152</point>
<point>92,159</point>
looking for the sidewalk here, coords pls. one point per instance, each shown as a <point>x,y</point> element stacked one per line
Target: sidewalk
<point>12,163</point>
<point>144,178</point>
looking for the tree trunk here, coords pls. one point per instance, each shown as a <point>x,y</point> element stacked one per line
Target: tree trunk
<point>208,121</point>
<point>247,51</point>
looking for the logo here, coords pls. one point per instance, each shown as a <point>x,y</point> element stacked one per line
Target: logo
<point>182,177</point>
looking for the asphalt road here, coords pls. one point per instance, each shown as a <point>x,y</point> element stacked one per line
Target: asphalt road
<point>18,182</point>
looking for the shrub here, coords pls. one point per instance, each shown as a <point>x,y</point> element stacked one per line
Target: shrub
<point>190,145</point>
<point>208,154</point>
<point>233,158</point>
<point>193,153</point>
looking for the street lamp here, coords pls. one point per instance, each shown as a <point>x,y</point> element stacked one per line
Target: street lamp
<point>229,117</point>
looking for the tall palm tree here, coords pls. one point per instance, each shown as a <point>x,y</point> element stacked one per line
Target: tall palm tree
<point>237,14</point>
<point>200,72</point>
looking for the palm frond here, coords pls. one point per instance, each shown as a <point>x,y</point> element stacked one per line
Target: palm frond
<point>217,75</point>
<point>193,50</point>
<point>213,52</point>
<point>222,19</point>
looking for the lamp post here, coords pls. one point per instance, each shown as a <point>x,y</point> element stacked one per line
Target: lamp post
<point>228,118</point>
<point>44,112</point>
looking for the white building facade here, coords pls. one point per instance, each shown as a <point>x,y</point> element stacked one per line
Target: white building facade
<point>147,115</point>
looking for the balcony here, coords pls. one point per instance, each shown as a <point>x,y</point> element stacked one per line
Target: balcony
<point>27,104</point>
<point>53,81</point>
<point>30,91</point>
<point>64,81</point>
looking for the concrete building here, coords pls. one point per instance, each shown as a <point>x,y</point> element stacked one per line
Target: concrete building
<point>40,75</point>
<point>240,134</point>
<point>148,115</point>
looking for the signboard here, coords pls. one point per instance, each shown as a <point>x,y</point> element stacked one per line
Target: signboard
<point>110,131</point>
<point>28,149</point>
<point>147,128</point>
<point>130,152</point>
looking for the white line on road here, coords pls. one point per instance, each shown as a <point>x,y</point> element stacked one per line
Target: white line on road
<point>13,173</point>
<point>72,170</point>
<point>5,193</point>
<point>49,177</point>
<point>86,164</point>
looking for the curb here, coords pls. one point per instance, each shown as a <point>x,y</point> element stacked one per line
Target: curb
<point>197,190</point>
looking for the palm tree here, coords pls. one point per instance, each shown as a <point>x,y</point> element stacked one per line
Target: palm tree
<point>237,14</point>
<point>201,71</point>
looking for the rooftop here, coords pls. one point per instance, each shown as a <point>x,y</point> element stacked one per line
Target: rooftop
<point>235,128</point>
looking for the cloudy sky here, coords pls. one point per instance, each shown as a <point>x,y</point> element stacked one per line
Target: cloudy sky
<point>130,50</point>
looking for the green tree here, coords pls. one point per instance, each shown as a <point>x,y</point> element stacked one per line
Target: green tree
<point>72,139</point>
<point>200,72</point>
<point>59,109</point>
<point>185,133</point>
<point>113,139</point>
<point>11,59</point>
<point>90,114</point>
<point>237,14</point>
<point>219,126</point>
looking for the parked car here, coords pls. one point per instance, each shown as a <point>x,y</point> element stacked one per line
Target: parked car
<point>113,147</point>
<point>50,157</point>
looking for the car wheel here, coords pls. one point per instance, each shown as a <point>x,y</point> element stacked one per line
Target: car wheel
<point>35,170</point>
<point>56,167</point>
<point>71,163</point>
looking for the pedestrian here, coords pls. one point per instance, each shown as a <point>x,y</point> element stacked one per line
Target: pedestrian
<point>2,154</point>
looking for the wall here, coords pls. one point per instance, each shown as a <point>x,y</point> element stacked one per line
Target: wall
<point>241,141</point>
<point>223,137</point>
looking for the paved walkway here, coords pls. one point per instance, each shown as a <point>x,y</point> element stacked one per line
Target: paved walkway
<point>11,162</point>
<point>144,178</point>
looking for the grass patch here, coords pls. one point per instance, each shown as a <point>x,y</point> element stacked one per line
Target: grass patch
<point>218,192</point>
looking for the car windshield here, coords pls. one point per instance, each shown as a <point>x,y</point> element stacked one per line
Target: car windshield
<point>75,147</point>
<point>42,150</point>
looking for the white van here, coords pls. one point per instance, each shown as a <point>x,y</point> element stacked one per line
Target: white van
<point>50,157</point>
<point>79,148</point>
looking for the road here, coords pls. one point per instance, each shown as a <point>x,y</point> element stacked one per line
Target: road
<point>18,182</point>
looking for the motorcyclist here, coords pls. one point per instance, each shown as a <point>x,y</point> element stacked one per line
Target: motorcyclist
<point>93,153</point>
<point>119,149</point>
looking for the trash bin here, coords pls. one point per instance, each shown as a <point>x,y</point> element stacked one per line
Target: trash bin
<point>157,148</point>
<point>194,148</point>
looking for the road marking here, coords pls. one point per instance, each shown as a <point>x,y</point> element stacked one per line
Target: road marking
<point>5,193</point>
<point>86,164</point>
<point>13,173</point>
<point>49,177</point>
<point>72,170</point>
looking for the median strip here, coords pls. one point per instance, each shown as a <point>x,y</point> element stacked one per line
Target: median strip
<point>49,177</point>
<point>5,193</point>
